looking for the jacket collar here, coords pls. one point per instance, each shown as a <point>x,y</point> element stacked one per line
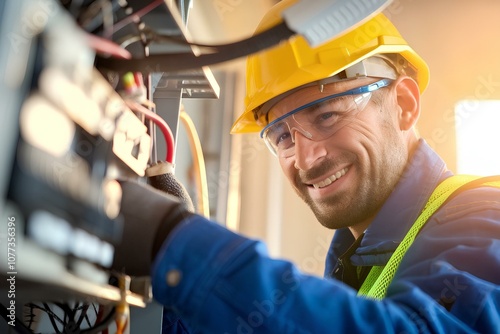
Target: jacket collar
<point>423,173</point>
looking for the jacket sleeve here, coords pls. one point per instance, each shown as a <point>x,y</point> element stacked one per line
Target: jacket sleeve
<point>222,282</point>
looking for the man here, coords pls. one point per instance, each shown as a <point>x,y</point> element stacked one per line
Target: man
<point>340,119</point>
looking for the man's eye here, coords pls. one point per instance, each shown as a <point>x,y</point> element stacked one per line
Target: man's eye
<point>326,115</point>
<point>279,135</point>
<point>326,118</point>
<point>283,139</point>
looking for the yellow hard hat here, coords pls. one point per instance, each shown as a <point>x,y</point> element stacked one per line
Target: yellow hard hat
<point>294,63</point>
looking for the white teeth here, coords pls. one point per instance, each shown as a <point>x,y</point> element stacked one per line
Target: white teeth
<point>330,179</point>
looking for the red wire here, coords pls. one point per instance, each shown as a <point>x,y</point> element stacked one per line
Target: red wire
<point>99,317</point>
<point>160,122</point>
<point>104,46</point>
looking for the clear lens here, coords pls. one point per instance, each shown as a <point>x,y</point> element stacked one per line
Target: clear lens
<point>317,121</point>
<point>278,136</point>
<point>323,117</point>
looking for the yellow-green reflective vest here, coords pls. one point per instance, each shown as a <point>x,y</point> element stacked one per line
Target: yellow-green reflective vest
<point>379,277</point>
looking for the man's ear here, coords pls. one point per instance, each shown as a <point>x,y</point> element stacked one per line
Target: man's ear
<point>408,99</point>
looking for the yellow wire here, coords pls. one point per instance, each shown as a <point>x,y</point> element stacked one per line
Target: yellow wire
<point>202,206</point>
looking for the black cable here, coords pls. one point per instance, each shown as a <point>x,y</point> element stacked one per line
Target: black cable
<point>153,36</point>
<point>64,309</point>
<point>68,312</point>
<point>73,325</point>
<point>53,317</point>
<point>95,309</point>
<point>29,316</point>
<point>183,61</point>
<point>102,325</point>
<point>83,315</point>
<point>19,327</point>
<point>87,319</point>
<point>70,326</point>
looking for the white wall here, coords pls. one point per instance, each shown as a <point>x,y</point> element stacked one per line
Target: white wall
<point>460,40</point>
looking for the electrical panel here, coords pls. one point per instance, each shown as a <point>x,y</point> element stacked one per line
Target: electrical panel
<point>69,130</point>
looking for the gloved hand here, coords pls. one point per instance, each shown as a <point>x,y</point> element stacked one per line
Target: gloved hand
<point>161,176</point>
<point>149,216</point>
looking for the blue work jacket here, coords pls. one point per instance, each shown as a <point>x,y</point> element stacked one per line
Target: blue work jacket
<point>217,281</point>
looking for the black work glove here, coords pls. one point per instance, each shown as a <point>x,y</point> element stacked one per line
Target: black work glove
<point>149,215</point>
<point>161,176</point>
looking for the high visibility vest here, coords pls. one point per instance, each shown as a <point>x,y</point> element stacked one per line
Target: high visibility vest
<point>379,277</point>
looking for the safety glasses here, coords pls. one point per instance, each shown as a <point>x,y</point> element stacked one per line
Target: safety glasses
<point>319,119</point>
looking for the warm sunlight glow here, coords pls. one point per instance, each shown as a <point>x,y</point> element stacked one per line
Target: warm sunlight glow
<point>478,137</point>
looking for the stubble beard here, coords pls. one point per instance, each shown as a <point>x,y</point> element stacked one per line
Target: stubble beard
<point>346,209</point>
<point>360,203</point>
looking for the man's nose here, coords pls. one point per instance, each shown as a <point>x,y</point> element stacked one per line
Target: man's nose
<point>307,151</point>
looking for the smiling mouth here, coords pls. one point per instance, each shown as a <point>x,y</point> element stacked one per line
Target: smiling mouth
<point>331,179</point>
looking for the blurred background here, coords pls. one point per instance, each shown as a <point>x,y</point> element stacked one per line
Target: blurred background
<point>460,115</point>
